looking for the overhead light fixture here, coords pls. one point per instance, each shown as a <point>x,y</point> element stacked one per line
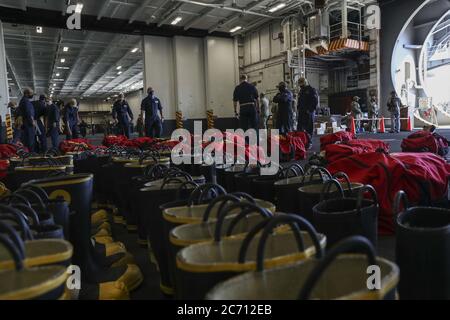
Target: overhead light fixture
<point>134,50</point>
<point>54,84</point>
<point>57,74</point>
<point>39,29</point>
<point>176,20</point>
<point>65,49</point>
<point>79,8</point>
<point>235,29</point>
<point>63,68</point>
<point>63,60</point>
<point>119,67</point>
<point>120,72</point>
<point>277,7</point>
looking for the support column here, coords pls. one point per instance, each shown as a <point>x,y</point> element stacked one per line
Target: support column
<point>344,14</point>
<point>4,94</point>
<point>375,63</point>
<point>159,72</point>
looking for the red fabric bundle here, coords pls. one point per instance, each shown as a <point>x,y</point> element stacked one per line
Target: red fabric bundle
<point>303,136</point>
<point>8,151</point>
<point>425,141</point>
<point>4,165</point>
<point>342,136</point>
<point>116,140</point>
<point>143,141</point>
<point>75,145</point>
<point>388,174</point>
<point>295,143</point>
<point>335,152</point>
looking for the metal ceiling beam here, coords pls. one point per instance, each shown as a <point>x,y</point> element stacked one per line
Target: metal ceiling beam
<point>31,60</point>
<point>105,52</point>
<point>113,66</point>
<point>59,37</point>
<point>53,19</point>
<point>203,14</point>
<point>77,59</point>
<point>14,74</point>
<point>259,22</point>
<point>139,11</point>
<point>234,9</point>
<point>166,17</point>
<point>103,9</point>
<point>156,10</point>
<point>23,5</point>
<point>126,73</point>
<point>251,6</point>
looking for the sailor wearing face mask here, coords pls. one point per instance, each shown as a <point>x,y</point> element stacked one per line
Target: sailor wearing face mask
<point>122,114</point>
<point>52,121</point>
<point>150,107</point>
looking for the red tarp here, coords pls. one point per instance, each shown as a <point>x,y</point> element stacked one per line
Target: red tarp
<point>8,151</point>
<point>335,152</point>
<point>342,136</point>
<point>75,145</point>
<point>389,174</point>
<point>425,141</point>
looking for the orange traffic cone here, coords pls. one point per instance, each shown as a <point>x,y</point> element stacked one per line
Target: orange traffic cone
<point>409,125</point>
<point>352,125</point>
<point>382,128</point>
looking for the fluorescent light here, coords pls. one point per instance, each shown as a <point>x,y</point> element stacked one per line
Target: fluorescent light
<point>176,20</point>
<point>79,8</point>
<point>134,50</point>
<point>54,84</point>
<point>120,72</point>
<point>63,60</point>
<point>235,29</point>
<point>63,68</point>
<point>119,67</point>
<point>39,29</point>
<point>58,79</point>
<point>57,74</point>
<point>65,49</point>
<point>277,7</point>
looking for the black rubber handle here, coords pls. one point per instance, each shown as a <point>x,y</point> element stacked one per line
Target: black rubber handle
<point>292,220</point>
<point>356,244</point>
<point>19,197</point>
<point>401,196</point>
<point>343,175</point>
<point>198,194</point>
<point>28,211</point>
<point>242,215</point>
<point>40,202</point>
<point>228,209</point>
<point>147,156</point>
<point>327,189</point>
<point>14,236</point>
<point>171,179</point>
<point>362,191</point>
<point>245,196</point>
<point>216,188</point>
<point>221,200</point>
<point>321,171</point>
<point>13,251</point>
<point>39,190</point>
<point>296,169</point>
<point>183,186</point>
<point>13,214</point>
